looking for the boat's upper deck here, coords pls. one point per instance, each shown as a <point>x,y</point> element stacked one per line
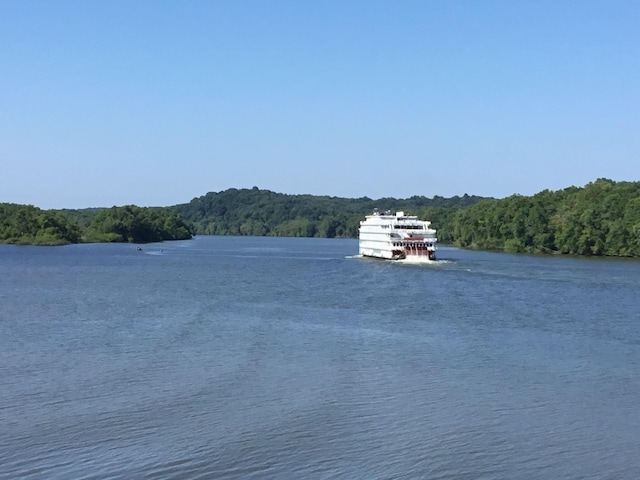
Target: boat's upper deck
<point>399,221</point>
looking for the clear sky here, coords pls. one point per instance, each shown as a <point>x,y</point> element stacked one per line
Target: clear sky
<point>157,102</point>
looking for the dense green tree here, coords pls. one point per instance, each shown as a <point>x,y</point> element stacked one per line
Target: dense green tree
<point>603,218</point>
<point>598,219</point>
<point>26,224</point>
<point>262,212</point>
<point>136,224</point>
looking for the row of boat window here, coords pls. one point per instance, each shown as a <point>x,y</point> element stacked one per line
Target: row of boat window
<point>404,227</point>
<point>412,244</point>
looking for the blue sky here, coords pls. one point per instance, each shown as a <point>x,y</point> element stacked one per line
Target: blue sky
<point>157,102</point>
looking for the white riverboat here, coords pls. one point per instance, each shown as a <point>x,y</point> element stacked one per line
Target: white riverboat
<point>397,237</point>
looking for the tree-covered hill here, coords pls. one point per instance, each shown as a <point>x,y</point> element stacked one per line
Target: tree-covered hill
<point>137,225</point>
<point>263,212</point>
<point>230,212</point>
<point>29,225</point>
<point>603,218</point>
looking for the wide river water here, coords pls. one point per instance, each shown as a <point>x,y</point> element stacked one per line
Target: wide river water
<point>277,358</point>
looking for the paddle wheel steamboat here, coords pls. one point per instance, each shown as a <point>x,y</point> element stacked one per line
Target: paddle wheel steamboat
<point>397,237</point>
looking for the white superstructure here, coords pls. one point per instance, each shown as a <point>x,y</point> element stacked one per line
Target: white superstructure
<point>397,236</point>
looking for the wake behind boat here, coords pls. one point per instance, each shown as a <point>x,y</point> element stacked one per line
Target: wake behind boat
<point>397,237</point>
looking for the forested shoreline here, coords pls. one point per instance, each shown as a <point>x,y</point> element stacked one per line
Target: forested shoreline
<point>600,219</point>
<point>29,225</point>
<point>265,213</point>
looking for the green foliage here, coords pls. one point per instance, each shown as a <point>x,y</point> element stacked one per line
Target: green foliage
<point>262,212</point>
<point>136,224</point>
<point>603,218</point>
<point>28,225</point>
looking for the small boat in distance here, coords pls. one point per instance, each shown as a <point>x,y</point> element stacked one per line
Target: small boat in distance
<point>397,237</point>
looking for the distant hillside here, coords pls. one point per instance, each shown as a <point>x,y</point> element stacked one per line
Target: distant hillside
<point>263,212</point>
<point>602,218</point>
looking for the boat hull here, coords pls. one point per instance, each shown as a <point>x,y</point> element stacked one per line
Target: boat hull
<point>386,255</point>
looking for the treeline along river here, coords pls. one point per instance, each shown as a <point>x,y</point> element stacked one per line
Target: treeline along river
<point>262,357</point>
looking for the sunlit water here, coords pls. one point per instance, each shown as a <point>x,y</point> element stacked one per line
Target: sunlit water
<point>225,357</point>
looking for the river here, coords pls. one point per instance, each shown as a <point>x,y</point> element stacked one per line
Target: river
<point>253,358</point>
